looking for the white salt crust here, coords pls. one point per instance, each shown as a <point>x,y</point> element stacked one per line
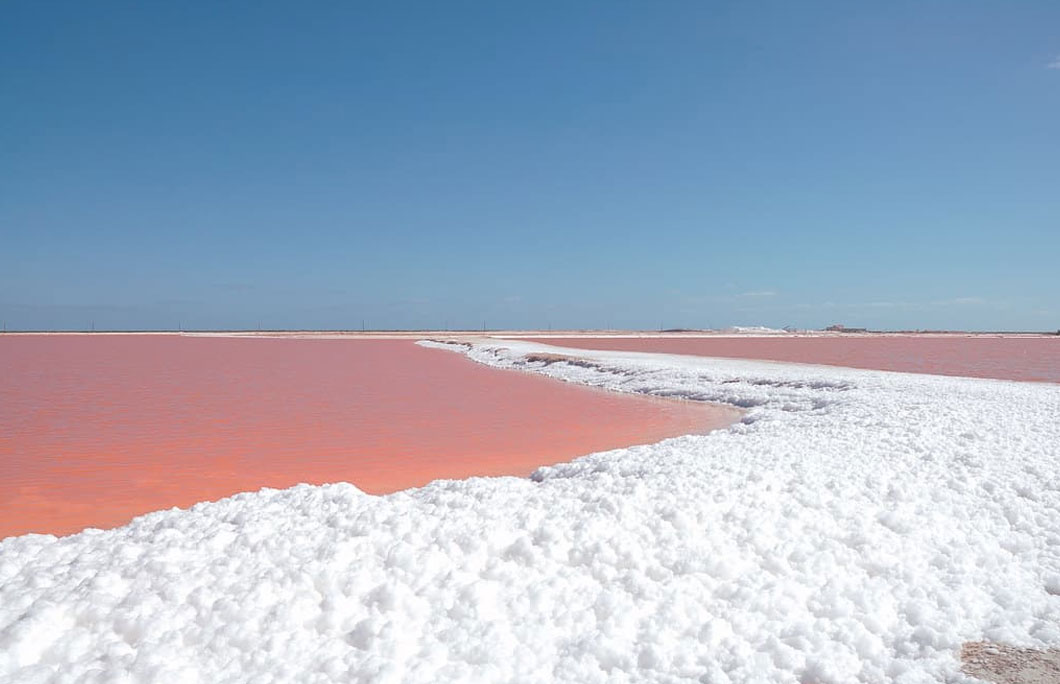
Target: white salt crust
<point>856,526</point>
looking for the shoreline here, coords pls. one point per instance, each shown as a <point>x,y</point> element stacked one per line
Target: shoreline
<point>534,334</point>
<point>1019,358</point>
<point>387,417</point>
<point>879,520</point>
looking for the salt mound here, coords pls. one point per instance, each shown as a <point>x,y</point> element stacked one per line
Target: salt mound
<point>753,330</point>
<point>856,526</point>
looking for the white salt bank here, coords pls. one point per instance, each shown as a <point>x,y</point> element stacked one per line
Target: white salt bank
<point>856,526</point>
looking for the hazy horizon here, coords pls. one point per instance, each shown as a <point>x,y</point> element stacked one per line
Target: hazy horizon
<point>536,331</point>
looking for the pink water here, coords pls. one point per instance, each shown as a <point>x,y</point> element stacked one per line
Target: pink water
<point>1006,358</point>
<point>95,429</point>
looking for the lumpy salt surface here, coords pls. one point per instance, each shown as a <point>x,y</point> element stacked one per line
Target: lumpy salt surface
<point>856,526</point>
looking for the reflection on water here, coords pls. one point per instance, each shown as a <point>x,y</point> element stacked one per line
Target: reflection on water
<point>98,429</point>
<point>1005,358</point>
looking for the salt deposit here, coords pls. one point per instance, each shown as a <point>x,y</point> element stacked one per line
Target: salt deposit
<point>754,330</point>
<point>856,526</point>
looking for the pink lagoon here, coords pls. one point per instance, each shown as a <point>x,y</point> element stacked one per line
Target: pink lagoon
<point>1005,357</point>
<point>101,428</point>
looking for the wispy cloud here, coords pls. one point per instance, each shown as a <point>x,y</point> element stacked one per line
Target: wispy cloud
<point>759,293</point>
<point>1055,64</point>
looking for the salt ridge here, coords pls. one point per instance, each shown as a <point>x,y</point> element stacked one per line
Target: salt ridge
<point>855,526</point>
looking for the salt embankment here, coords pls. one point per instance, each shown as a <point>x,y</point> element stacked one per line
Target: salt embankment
<point>855,526</point>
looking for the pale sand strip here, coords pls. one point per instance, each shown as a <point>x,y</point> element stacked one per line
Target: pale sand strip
<point>1010,665</point>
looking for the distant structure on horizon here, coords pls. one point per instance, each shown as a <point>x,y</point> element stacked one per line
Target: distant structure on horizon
<point>836,327</point>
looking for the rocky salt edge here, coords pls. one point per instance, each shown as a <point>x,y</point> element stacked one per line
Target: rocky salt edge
<point>855,526</point>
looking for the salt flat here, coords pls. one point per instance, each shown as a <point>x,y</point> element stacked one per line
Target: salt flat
<point>856,526</point>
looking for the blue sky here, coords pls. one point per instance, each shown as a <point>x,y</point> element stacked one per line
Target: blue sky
<point>612,164</point>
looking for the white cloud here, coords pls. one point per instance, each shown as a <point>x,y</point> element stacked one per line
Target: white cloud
<point>759,293</point>
<point>1055,64</point>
